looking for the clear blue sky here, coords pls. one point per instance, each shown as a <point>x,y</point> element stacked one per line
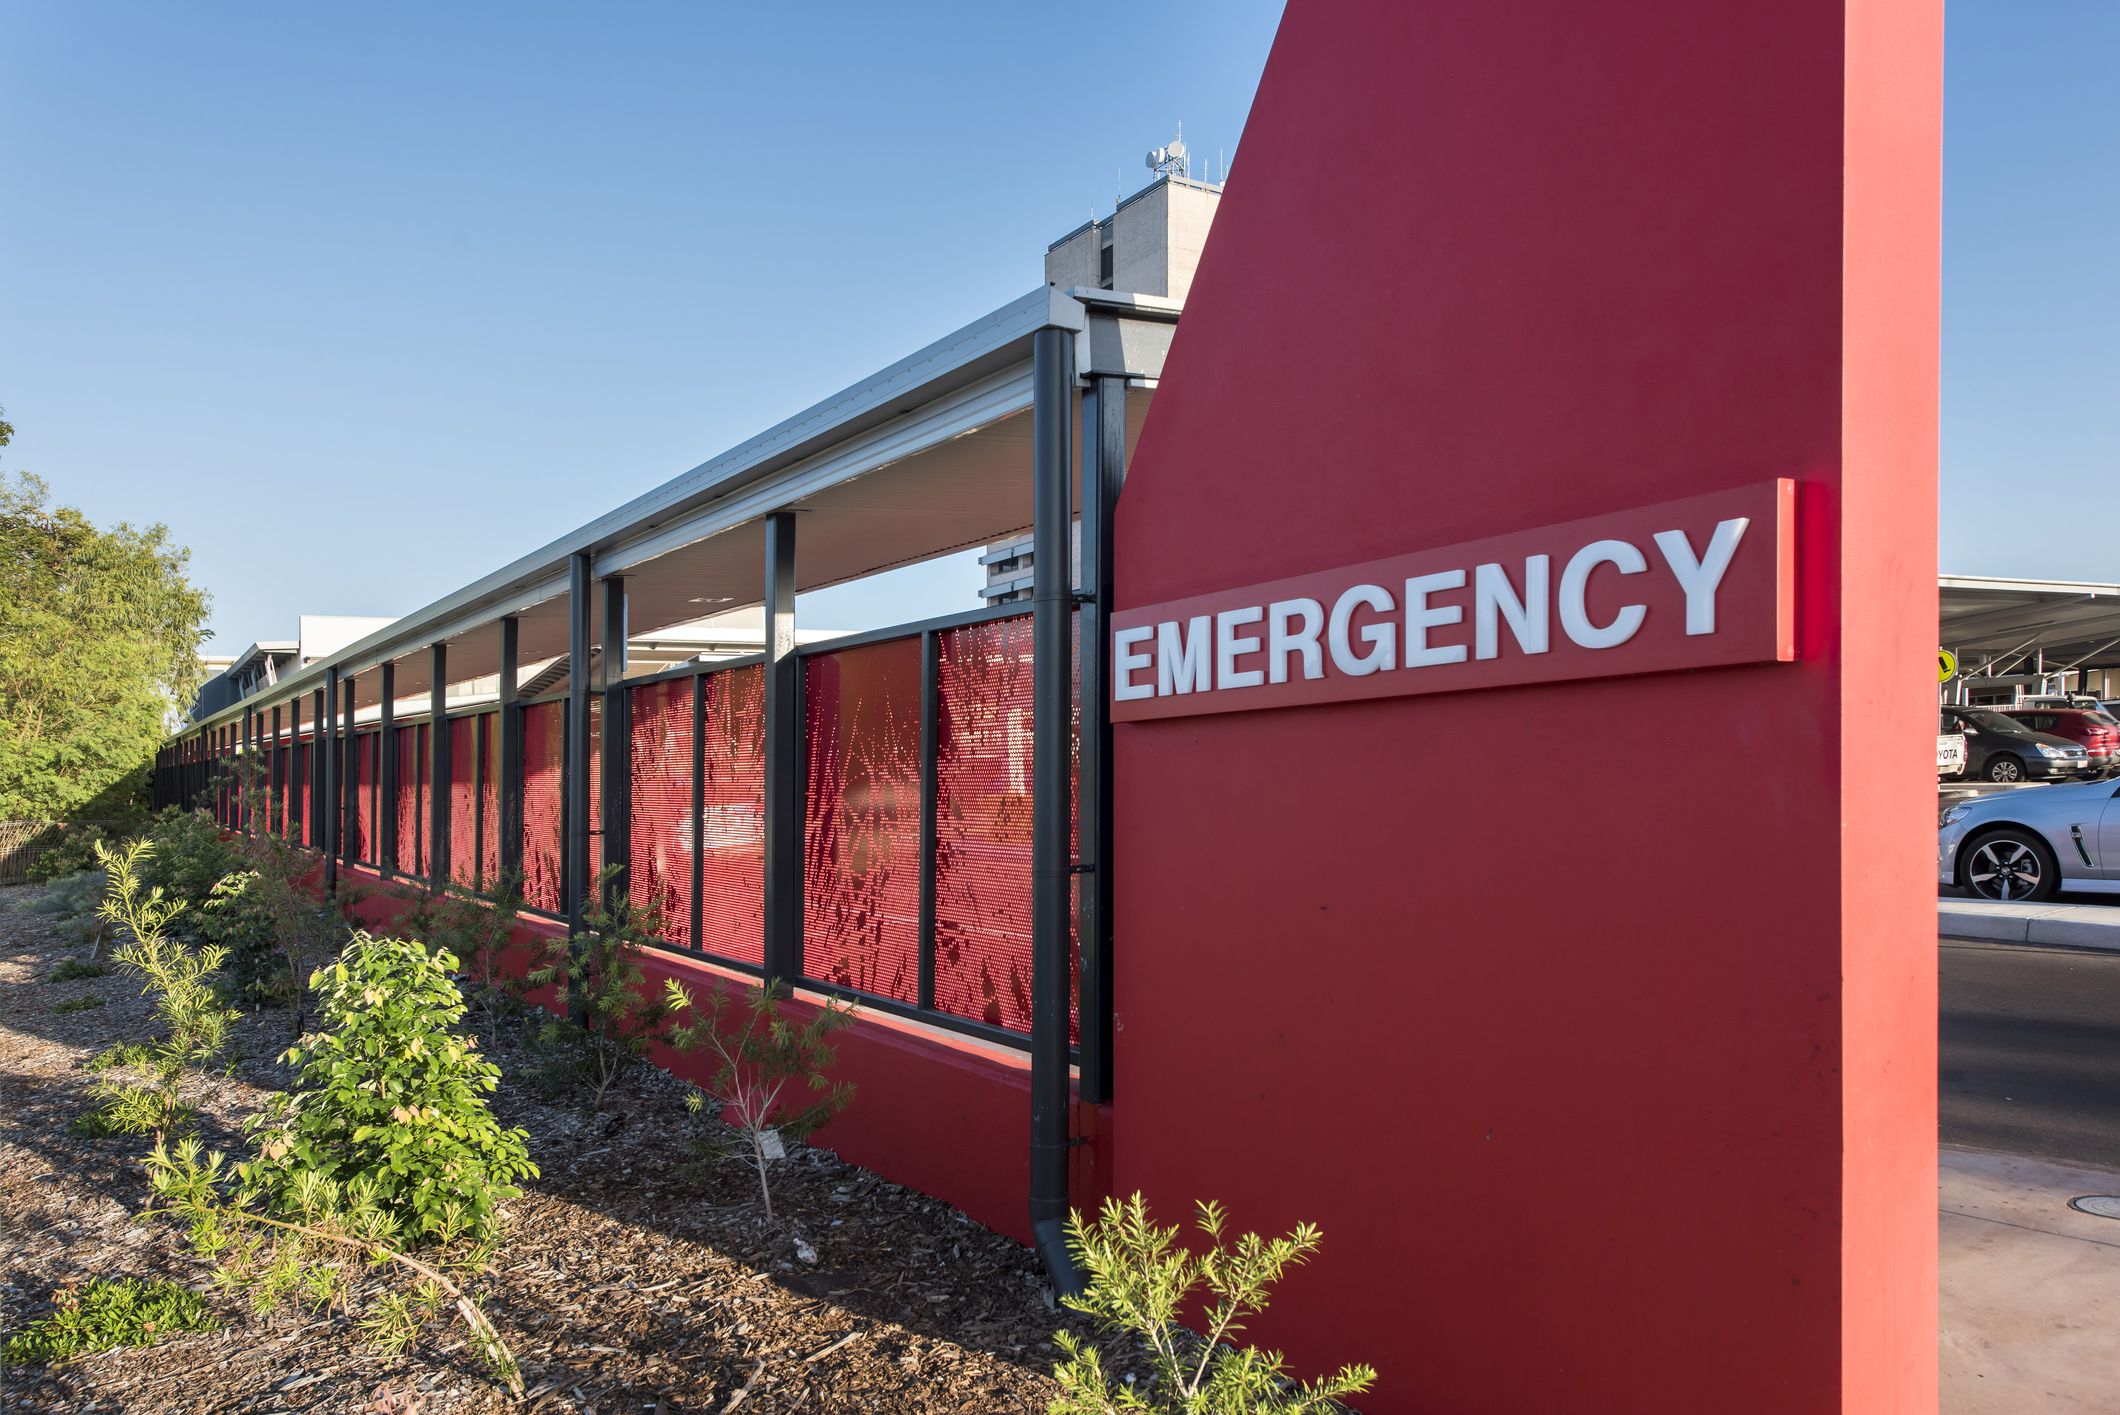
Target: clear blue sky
<point>445,281</point>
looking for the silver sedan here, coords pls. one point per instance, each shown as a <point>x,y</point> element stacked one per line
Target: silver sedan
<point>2029,843</point>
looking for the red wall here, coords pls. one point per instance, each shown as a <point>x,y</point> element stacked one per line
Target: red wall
<point>946,1114</point>
<point>1594,1021</point>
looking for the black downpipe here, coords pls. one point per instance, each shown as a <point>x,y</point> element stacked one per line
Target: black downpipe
<point>1052,624</point>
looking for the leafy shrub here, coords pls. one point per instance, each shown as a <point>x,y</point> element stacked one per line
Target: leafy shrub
<point>1139,1282</point>
<point>74,851</point>
<point>276,930</point>
<point>606,1015</point>
<point>143,1088</point>
<point>105,1313</point>
<point>188,856</point>
<point>322,1236</point>
<point>235,918</point>
<point>77,1004</point>
<point>763,1064</point>
<point>390,1101</point>
<point>73,969</point>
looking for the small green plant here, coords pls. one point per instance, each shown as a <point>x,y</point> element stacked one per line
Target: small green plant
<point>1140,1281</point>
<point>605,1014</point>
<point>108,1312</point>
<point>142,1088</point>
<point>390,1102</point>
<point>770,1076</point>
<point>311,1248</point>
<point>76,1004</point>
<point>71,902</point>
<point>73,970</point>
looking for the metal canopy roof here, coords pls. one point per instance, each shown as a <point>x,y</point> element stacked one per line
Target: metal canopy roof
<point>927,456</point>
<point>2072,624</point>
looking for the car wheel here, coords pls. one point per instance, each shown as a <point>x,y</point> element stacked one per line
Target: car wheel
<point>2009,865</point>
<point>2005,768</point>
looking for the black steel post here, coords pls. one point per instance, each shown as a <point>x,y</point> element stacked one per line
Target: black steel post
<point>275,818</point>
<point>929,727</point>
<point>1103,472</point>
<point>509,813</point>
<point>248,775</point>
<point>328,751</point>
<point>615,827</point>
<point>438,769</point>
<point>1052,624</point>
<point>575,855</point>
<point>315,783</point>
<point>297,772</point>
<point>386,772</point>
<point>783,747</point>
<point>349,773</point>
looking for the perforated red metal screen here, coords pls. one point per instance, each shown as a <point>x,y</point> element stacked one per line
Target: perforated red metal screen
<point>411,799</point>
<point>861,826</point>
<point>544,802</point>
<point>659,871</point>
<point>463,804</point>
<point>983,823</point>
<point>596,788</point>
<point>732,892</point>
<point>281,768</point>
<point>298,794</point>
<point>489,833</point>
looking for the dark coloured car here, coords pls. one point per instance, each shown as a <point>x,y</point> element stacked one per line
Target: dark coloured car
<point>2096,733</point>
<point>2002,750</point>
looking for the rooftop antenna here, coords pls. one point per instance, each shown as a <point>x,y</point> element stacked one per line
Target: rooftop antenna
<point>1172,159</point>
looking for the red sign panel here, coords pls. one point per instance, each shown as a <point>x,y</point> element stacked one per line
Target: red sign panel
<point>1700,583</point>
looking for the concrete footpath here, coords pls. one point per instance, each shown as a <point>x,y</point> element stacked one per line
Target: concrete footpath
<point>2059,925</point>
<point>2031,1288</point>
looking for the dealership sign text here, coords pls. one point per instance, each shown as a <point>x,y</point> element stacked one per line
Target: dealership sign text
<point>1700,583</point>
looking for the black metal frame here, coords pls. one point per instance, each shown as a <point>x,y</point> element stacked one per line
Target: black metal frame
<point>1103,474</point>
<point>1052,874</point>
<point>574,816</point>
<point>328,807</point>
<point>349,777</point>
<point>784,783</point>
<point>438,770</point>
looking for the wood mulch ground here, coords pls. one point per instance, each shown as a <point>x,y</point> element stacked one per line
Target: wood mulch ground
<point>625,1286</point>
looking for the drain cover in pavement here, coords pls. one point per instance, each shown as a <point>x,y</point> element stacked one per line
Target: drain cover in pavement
<point>2103,1205</point>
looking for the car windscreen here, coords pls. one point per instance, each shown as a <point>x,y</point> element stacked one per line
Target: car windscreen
<point>1996,722</point>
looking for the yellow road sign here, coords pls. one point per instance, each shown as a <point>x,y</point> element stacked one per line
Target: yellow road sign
<point>1946,665</point>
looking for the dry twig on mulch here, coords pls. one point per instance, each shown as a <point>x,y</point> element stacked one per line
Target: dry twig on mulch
<point>625,1284</point>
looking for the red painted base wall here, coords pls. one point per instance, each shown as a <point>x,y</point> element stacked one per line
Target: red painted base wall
<point>1594,1021</point>
<point>946,1115</point>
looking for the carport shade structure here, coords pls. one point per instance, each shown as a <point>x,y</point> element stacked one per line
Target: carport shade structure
<point>930,455</point>
<point>2001,627</point>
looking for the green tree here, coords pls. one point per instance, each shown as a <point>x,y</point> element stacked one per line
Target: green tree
<point>99,644</point>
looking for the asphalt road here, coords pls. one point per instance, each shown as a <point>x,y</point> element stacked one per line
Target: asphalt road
<point>2030,1051</point>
